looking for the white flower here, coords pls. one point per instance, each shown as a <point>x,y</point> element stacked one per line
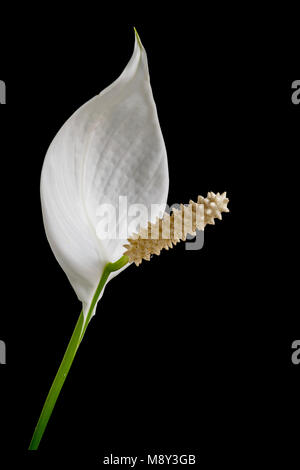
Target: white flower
<point>111,146</point>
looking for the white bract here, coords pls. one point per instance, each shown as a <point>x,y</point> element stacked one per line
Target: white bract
<point>111,146</point>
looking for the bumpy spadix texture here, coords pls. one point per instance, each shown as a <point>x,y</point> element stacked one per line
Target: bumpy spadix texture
<point>170,229</point>
<point>109,147</point>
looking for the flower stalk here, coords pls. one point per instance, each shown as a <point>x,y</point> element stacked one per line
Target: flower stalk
<point>70,354</point>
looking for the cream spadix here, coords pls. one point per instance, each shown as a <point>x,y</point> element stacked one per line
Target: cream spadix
<point>111,146</point>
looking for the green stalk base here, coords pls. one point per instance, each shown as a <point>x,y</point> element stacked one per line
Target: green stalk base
<point>69,356</point>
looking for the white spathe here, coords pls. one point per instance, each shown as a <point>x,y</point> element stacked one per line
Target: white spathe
<point>111,146</point>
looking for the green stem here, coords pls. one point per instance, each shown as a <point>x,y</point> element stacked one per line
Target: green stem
<point>69,356</point>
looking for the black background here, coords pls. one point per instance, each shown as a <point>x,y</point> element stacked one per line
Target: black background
<point>192,351</point>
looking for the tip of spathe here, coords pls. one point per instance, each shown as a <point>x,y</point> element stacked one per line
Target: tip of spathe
<point>138,38</point>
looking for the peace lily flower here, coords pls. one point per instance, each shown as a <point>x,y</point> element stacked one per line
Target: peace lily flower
<point>111,146</point>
